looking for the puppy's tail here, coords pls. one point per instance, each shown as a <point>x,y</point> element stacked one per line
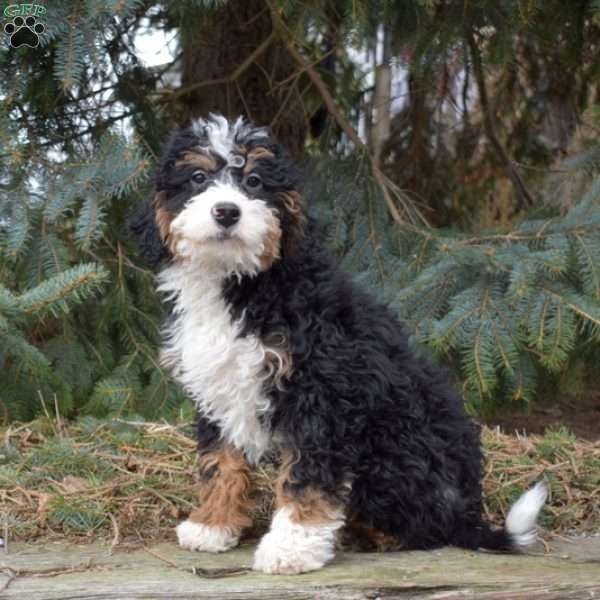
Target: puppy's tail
<point>520,526</point>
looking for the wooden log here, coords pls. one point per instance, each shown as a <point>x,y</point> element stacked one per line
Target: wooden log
<point>61,571</point>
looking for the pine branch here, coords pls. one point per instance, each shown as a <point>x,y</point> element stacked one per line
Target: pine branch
<point>58,293</point>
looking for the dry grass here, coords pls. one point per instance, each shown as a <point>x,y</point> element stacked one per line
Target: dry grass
<point>570,465</point>
<point>131,482</point>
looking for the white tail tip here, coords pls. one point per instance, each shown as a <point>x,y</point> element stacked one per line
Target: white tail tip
<point>522,516</point>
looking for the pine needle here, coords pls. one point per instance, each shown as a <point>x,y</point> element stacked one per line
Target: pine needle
<point>127,482</point>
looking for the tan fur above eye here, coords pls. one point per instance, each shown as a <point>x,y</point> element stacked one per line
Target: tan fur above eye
<point>254,156</point>
<point>199,160</point>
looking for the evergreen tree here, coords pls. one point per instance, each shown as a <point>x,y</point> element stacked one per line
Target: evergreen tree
<point>491,133</point>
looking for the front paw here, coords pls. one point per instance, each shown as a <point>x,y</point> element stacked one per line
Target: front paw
<point>277,557</point>
<point>291,548</point>
<point>206,538</point>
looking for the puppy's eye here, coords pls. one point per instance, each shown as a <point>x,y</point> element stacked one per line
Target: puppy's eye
<point>253,181</point>
<point>198,177</point>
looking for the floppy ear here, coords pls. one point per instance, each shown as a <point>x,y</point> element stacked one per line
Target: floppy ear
<point>294,221</point>
<point>143,225</point>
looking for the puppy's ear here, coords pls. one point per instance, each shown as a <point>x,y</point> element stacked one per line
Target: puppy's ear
<point>145,228</point>
<point>294,221</point>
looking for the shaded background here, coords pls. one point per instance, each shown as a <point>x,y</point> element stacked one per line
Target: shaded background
<point>449,147</point>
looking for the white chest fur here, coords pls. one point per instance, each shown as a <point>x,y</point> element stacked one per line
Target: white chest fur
<point>223,373</point>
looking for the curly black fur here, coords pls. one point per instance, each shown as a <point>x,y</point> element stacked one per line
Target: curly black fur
<point>361,407</point>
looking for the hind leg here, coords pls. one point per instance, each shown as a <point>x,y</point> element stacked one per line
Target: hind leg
<point>415,508</point>
<point>358,537</point>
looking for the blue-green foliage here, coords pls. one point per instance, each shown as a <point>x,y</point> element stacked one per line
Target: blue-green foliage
<point>508,309</point>
<point>78,317</point>
<point>78,29</point>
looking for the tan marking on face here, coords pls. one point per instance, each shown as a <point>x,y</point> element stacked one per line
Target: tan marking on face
<point>310,506</point>
<point>278,358</point>
<point>272,244</point>
<point>224,493</point>
<point>254,156</point>
<point>163,219</point>
<point>294,205</point>
<point>200,160</point>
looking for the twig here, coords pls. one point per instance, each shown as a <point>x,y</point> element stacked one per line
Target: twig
<point>11,576</point>
<point>117,536</point>
<point>334,110</point>
<point>284,103</point>
<point>55,572</point>
<point>5,534</point>
<point>524,199</point>
<point>233,76</point>
<point>59,424</point>
<point>8,433</point>
<point>41,396</point>
<point>539,169</point>
<point>91,129</point>
<point>299,72</point>
<point>165,560</point>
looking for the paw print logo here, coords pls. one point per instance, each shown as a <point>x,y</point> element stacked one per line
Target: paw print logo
<point>24,32</point>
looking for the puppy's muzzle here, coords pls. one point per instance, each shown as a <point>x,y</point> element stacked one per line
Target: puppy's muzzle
<point>226,214</point>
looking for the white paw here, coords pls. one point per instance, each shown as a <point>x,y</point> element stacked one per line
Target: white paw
<point>291,548</point>
<point>275,558</point>
<point>206,538</point>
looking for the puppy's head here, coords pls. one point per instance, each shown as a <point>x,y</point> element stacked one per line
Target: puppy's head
<point>225,199</point>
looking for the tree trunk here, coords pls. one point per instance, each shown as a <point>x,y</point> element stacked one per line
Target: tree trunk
<point>223,44</point>
<point>382,100</point>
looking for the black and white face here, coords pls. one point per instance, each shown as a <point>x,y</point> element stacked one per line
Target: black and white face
<point>225,198</point>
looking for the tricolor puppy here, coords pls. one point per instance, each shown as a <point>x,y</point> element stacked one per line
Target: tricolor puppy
<point>284,356</point>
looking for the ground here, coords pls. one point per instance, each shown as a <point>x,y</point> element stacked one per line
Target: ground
<point>57,571</point>
<point>580,415</point>
<point>121,487</point>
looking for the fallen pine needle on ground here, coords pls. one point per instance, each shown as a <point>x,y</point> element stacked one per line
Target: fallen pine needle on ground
<point>131,482</point>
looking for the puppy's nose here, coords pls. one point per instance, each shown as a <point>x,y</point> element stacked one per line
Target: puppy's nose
<point>226,214</point>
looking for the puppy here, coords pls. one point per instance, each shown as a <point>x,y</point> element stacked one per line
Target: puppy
<point>284,356</point>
